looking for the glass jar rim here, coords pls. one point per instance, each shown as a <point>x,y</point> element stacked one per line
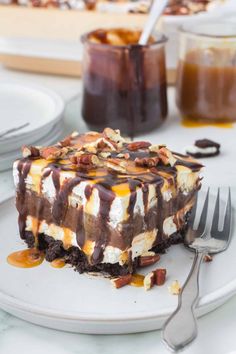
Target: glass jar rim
<point>161,40</point>
<point>213,30</point>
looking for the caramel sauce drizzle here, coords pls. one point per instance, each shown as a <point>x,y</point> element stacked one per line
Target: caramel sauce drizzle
<point>67,237</point>
<point>137,280</point>
<point>58,263</point>
<point>28,258</point>
<point>35,229</point>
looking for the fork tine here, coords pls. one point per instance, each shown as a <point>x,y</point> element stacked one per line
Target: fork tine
<point>227,218</point>
<point>216,215</point>
<point>203,218</point>
<point>193,213</point>
<point>224,234</point>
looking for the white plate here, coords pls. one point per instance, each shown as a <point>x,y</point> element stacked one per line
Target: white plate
<point>7,159</point>
<point>65,300</point>
<point>20,104</point>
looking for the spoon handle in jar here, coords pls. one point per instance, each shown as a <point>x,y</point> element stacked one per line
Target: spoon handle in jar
<point>155,12</point>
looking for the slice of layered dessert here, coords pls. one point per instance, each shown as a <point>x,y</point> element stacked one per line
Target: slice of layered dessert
<point>102,203</point>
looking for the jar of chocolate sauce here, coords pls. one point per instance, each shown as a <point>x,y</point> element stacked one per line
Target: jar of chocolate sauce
<point>206,75</point>
<point>124,84</point>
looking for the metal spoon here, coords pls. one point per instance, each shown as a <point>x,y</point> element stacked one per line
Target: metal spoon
<point>154,14</point>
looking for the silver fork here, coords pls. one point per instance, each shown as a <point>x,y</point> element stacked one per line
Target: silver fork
<point>181,327</point>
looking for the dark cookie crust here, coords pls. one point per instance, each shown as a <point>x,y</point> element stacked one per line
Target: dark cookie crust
<point>54,249</point>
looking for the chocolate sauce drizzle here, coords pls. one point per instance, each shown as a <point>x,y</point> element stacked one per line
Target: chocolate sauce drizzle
<point>106,199</point>
<point>23,168</point>
<point>61,211</point>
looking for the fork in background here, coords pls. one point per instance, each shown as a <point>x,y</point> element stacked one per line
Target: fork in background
<point>5,132</point>
<point>181,327</point>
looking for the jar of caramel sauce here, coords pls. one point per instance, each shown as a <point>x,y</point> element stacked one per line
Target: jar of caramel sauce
<point>124,84</point>
<point>206,75</point>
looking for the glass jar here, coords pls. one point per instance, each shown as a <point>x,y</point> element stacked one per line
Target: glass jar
<point>206,74</point>
<point>124,84</point>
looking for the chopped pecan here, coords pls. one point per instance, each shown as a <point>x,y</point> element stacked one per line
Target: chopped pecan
<point>93,133</point>
<point>30,151</point>
<point>66,141</point>
<point>120,156</point>
<point>74,134</point>
<point>156,148</point>
<point>116,165</point>
<point>104,143</point>
<point>52,152</point>
<point>166,156</point>
<point>149,281</point>
<point>147,161</point>
<point>121,281</point>
<point>114,135</point>
<point>90,148</point>
<point>160,276</point>
<point>174,288</point>
<point>105,154</point>
<point>136,145</point>
<point>208,258</point>
<point>73,158</point>
<point>85,159</point>
<point>101,144</point>
<point>148,253</point>
<point>145,261</point>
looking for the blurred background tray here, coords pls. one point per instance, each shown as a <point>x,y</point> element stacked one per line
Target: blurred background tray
<point>54,47</point>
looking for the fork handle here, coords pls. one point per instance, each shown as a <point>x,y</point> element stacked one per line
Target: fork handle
<point>181,327</point>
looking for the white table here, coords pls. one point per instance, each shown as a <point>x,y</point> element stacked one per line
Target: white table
<point>216,330</point>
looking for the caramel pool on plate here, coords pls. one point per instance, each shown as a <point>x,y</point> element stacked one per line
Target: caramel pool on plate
<point>28,258</point>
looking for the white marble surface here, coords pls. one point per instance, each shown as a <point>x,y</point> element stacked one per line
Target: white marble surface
<point>216,330</point>
<point>216,335</point>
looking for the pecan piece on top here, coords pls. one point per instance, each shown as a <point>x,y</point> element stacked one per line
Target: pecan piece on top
<point>166,156</point>
<point>66,141</point>
<point>114,136</point>
<point>115,167</point>
<point>30,151</point>
<point>147,161</point>
<point>85,159</point>
<point>156,148</point>
<point>106,143</point>
<point>52,152</point>
<point>136,145</point>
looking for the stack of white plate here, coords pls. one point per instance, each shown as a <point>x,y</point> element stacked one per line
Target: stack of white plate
<point>29,115</point>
